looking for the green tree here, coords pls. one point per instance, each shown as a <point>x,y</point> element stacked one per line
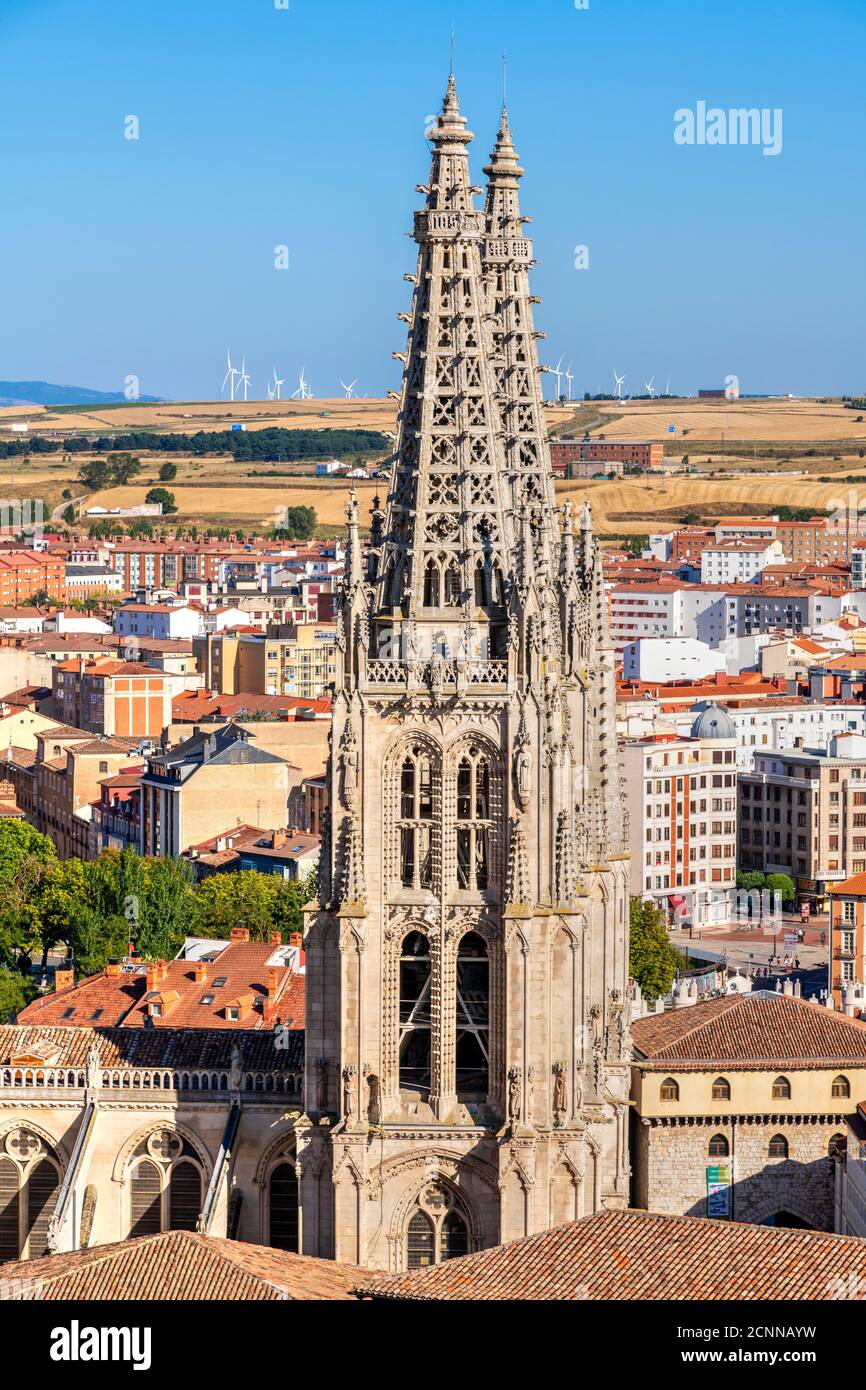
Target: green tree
<point>299,523</point>
<point>24,859</point>
<point>245,899</point>
<point>167,472</point>
<point>288,915</point>
<point>124,467</point>
<point>750,878</point>
<point>168,908</point>
<point>68,515</point>
<point>16,990</point>
<point>161,494</point>
<point>96,473</point>
<point>652,959</point>
<point>782,883</point>
<point>63,890</point>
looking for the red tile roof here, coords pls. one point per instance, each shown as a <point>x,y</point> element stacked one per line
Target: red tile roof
<point>749,1032</point>
<point>181,1265</point>
<point>121,1000</point>
<point>621,1255</point>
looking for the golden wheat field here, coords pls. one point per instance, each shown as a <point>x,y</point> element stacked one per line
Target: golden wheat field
<point>776,420</point>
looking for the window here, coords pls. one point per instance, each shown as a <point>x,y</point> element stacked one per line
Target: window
<point>841,1088</point>
<point>837,1147</point>
<point>473,1016</point>
<point>474,821</point>
<point>781,1088</point>
<point>165,1185</point>
<point>721,1089</point>
<point>416,820</point>
<point>415,1014</point>
<point>283,1208</point>
<point>29,1182</point>
<point>778,1147</point>
<point>437,1229</point>
<point>669,1089</point>
<point>718,1147</point>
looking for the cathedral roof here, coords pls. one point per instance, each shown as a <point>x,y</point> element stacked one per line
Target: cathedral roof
<point>180,1265</point>
<point>751,1032</point>
<point>177,1048</point>
<point>620,1255</point>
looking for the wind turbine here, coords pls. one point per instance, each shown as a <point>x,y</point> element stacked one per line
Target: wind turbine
<point>619,381</point>
<point>245,380</point>
<point>569,376</point>
<point>558,373</point>
<point>278,382</point>
<point>303,392</point>
<point>270,390</point>
<point>230,376</point>
<point>649,387</point>
<point>350,388</point>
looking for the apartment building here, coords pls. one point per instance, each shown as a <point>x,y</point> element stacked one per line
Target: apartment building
<point>113,697</point>
<point>66,785</point>
<point>667,608</point>
<point>682,801</point>
<point>189,791</point>
<point>803,813</point>
<point>571,454</point>
<point>159,620</point>
<point>24,573</point>
<point>737,562</point>
<point>786,726</point>
<point>847,937</point>
<point>115,817</point>
<point>292,659</point>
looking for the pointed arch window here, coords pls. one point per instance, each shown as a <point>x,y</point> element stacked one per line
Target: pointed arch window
<point>431,584</point>
<point>473,1018</point>
<point>283,1208</point>
<point>166,1185</point>
<point>474,820</point>
<point>721,1088</point>
<point>415,1040</point>
<point>30,1176</point>
<point>781,1088</point>
<point>841,1088</point>
<point>437,1230</point>
<point>420,1242</point>
<point>415,819</point>
<point>669,1089</point>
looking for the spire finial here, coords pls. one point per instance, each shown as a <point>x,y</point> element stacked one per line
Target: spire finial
<point>451,63</point>
<point>504,80</point>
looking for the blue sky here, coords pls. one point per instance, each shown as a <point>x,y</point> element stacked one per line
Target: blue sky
<point>261,126</point>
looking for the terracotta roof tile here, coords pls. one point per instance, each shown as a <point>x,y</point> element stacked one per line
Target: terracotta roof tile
<point>188,1049</point>
<point>180,1265</point>
<point>750,1031</point>
<point>620,1255</point>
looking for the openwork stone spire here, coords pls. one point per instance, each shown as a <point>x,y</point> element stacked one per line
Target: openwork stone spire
<point>507,258</point>
<point>448,540</point>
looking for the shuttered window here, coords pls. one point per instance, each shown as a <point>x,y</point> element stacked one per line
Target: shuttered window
<point>184,1197</point>
<point>43,1186</point>
<point>283,1208</point>
<point>144,1200</point>
<point>9,1234</point>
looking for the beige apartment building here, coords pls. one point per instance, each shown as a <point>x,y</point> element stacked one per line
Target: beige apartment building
<point>803,813</point>
<point>682,802</point>
<point>292,659</point>
<point>213,780</point>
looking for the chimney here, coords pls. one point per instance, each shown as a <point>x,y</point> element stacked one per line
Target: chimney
<point>112,970</point>
<point>296,938</point>
<point>152,975</point>
<point>199,972</point>
<point>64,977</point>
<point>279,839</point>
<point>276,938</point>
<point>273,981</point>
<point>239,934</point>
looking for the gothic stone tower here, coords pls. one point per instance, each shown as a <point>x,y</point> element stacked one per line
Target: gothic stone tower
<point>467,1029</point>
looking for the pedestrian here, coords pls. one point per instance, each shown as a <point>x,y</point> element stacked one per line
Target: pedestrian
<point>796,962</point>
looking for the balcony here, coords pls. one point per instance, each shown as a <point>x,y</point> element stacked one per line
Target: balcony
<point>436,673</point>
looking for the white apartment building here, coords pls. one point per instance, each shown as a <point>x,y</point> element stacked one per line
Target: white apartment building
<point>682,801</point>
<point>768,728</point>
<point>667,608</point>
<point>666,659</point>
<point>738,562</point>
<point>160,620</point>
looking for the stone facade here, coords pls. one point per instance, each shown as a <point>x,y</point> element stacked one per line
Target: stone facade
<point>671,1160</point>
<point>467,1041</point>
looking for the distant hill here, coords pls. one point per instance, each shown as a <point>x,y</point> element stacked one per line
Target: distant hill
<point>44,393</point>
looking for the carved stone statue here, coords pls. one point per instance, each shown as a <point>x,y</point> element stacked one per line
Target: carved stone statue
<point>374,1100</point>
<point>578,1091</point>
<point>349,1110</point>
<point>321,1083</point>
<point>515,1095</point>
<point>235,1069</point>
<point>560,1098</point>
<point>94,1070</point>
<point>349,765</point>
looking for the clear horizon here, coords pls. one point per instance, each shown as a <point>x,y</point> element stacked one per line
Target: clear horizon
<point>261,127</point>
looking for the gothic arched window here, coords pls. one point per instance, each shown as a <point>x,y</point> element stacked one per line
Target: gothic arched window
<point>166,1185</point>
<point>721,1089</point>
<point>30,1176</point>
<point>283,1208</point>
<point>473,1017</point>
<point>781,1088</point>
<point>669,1089</point>
<point>431,584</point>
<point>841,1088</point>
<point>415,820</point>
<point>437,1230</point>
<point>474,820</point>
<point>420,1242</point>
<point>452,584</point>
<point>415,1014</point>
